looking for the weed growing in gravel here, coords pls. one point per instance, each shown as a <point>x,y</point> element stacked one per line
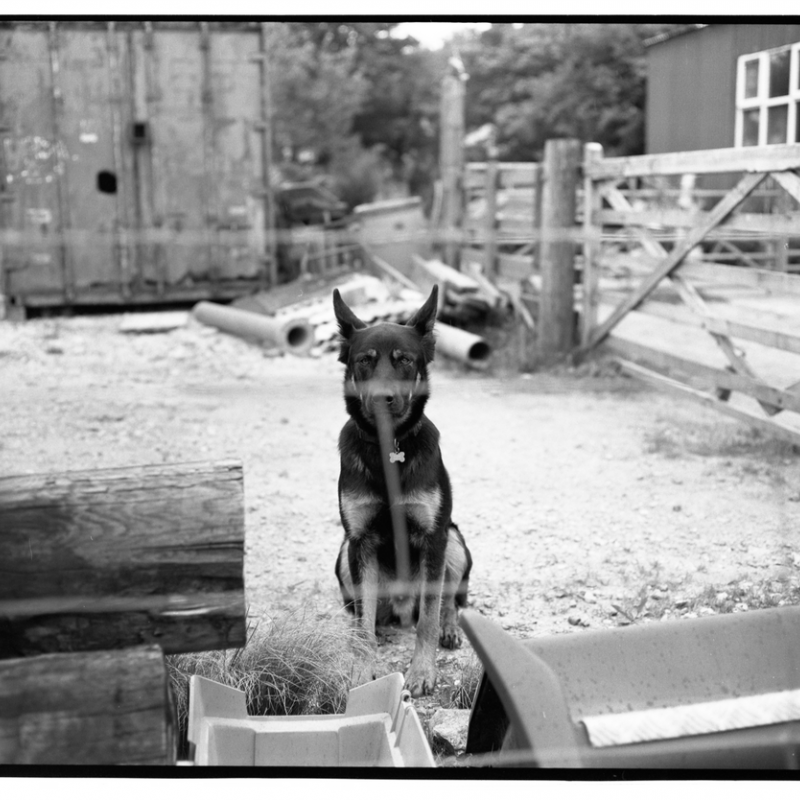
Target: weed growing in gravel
<point>665,600</point>
<point>295,664</point>
<point>705,439</point>
<point>465,684</point>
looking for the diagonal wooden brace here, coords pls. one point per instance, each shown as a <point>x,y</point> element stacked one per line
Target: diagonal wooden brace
<point>690,295</point>
<point>725,206</point>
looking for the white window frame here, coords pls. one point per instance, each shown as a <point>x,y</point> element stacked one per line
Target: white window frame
<point>762,101</point>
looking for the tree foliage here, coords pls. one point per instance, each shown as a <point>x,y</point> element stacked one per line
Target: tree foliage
<point>546,80</point>
<point>344,89</point>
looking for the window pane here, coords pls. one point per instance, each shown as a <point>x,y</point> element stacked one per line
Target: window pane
<point>750,127</point>
<point>779,73</point>
<point>797,122</point>
<point>777,121</point>
<point>751,78</point>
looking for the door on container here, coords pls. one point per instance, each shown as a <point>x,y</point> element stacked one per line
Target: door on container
<point>33,160</point>
<point>204,91</point>
<point>60,112</point>
<point>97,184</point>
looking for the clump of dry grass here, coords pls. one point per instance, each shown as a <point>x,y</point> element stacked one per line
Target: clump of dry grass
<point>465,684</point>
<point>300,663</point>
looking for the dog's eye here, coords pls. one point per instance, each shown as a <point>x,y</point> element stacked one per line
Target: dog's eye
<point>363,360</point>
<point>405,361</point>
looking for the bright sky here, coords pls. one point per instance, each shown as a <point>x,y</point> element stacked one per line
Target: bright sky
<point>433,34</point>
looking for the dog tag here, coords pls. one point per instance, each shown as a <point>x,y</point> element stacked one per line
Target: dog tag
<point>398,455</point>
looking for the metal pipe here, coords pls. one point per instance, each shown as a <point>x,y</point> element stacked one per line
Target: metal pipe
<point>466,347</point>
<point>294,335</point>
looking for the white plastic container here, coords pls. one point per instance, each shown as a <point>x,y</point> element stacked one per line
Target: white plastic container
<point>379,728</point>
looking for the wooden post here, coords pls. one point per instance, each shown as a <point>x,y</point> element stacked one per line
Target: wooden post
<point>112,558</point>
<point>266,126</point>
<point>556,310</point>
<point>592,152</point>
<point>490,247</point>
<point>451,161</point>
<point>111,707</point>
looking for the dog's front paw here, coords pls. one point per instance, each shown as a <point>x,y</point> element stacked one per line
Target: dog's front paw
<point>450,636</point>
<point>421,680</point>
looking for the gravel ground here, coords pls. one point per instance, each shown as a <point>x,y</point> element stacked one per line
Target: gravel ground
<point>575,491</point>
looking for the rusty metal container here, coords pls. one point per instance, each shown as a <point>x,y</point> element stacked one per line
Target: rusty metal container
<point>134,162</point>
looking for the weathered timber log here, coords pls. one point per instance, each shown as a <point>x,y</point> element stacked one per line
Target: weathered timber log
<point>103,559</point>
<point>109,707</point>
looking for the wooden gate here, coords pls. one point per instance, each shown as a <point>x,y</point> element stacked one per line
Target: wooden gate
<point>659,251</point>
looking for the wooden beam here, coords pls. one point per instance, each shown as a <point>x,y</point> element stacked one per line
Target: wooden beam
<point>110,707</point>
<point>774,158</point>
<point>790,181</point>
<point>490,221</point>
<point>511,265</point>
<point>775,282</point>
<point>775,223</point>
<point>786,399</point>
<point>592,234</point>
<point>112,558</point>
<point>556,331</point>
<point>770,337</point>
<point>679,252</point>
<point>775,427</point>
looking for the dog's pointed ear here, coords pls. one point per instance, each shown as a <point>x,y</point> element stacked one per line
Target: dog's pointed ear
<point>425,317</point>
<point>423,321</point>
<point>348,321</point>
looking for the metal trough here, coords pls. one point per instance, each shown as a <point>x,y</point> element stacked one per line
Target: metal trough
<point>718,692</point>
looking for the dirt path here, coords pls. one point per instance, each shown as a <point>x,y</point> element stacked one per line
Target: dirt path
<point>574,492</point>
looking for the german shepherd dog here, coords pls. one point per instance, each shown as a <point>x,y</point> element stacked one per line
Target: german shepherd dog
<point>387,364</point>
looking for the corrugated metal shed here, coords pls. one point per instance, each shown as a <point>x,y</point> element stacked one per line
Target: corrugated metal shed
<point>691,90</point>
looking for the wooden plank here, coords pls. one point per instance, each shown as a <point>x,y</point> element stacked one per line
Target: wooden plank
<point>790,181</point>
<point>517,175</point>
<point>490,219</point>
<point>110,707</point>
<point>511,265</point>
<point>719,275</point>
<point>785,399</point>
<point>451,161</point>
<point>774,223</point>
<point>674,312</point>
<point>516,222</point>
<point>679,252</point>
<point>442,273</point>
<point>776,282</point>
<point>774,158</point>
<point>592,233</point>
<point>692,298</point>
<point>770,337</point>
<point>167,531</point>
<point>387,269</point>
<point>772,426</point>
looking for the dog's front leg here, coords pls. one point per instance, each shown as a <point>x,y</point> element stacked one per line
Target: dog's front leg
<point>421,675</point>
<point>366,584</point>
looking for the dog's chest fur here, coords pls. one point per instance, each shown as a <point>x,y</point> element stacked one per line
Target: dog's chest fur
<point>363,498</point>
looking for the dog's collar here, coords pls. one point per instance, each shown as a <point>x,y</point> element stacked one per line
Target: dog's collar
<point>368,437</point>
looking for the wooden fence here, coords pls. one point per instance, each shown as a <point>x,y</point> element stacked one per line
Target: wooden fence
<point>661,258</point>
<point>681,261</point>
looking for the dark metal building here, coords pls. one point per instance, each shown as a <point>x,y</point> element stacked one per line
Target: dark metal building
<point>723,86</point>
